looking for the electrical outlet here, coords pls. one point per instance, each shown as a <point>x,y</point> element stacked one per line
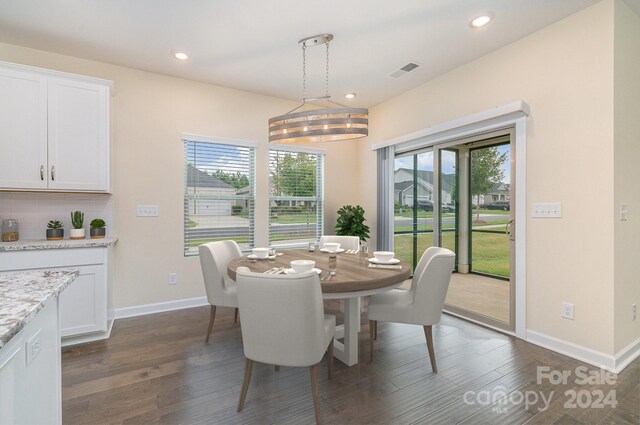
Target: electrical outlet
<point>567,311</point>
<point>148,211</point>
<point>624,212</point>
<point>33,347</point>
<point>634,311</point>
<point>173,278</point>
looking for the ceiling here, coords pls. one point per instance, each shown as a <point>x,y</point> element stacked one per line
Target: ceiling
<point>253,44</point>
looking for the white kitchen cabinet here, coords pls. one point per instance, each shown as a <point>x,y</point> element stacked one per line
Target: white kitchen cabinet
<point>84,303</point>
<point>23,129</point>
<point>54,131</point>
<point>30,385</point>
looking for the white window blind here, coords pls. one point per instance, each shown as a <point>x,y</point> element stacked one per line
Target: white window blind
<point>219,194</point>
<point>296,199</point>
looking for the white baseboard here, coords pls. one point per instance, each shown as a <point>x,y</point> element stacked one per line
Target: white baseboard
<point>82,339</point>
<point>141,310</point>
<point>578,352</point>
<point>627,355</point>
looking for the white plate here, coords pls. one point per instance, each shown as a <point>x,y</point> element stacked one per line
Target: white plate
<point>327,251</point>
<point>374,260</point>
<point>291,271</point>
<point>253,257</point>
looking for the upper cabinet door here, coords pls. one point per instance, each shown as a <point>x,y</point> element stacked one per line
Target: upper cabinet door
<point>78,136</point>
<point>23,130</point>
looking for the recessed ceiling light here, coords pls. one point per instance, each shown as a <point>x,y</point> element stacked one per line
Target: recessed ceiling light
<point>350,95</point>
<point>480,21</point>
<point>181,56</point>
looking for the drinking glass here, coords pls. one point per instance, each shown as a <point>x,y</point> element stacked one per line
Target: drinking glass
<point>333,260</point>
<point>272,255</point>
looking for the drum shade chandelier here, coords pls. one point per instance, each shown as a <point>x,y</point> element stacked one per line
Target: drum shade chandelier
<point>336,122</point>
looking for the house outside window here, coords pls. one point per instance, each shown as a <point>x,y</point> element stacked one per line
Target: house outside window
<point>296,198</point>
<point>219,194</point>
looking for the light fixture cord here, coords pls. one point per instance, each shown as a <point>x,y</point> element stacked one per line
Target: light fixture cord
<point>326,90</point>
<point>304,73</point>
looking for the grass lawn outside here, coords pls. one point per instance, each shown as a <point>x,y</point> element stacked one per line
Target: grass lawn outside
<point>490,251</point>
<point>294,219</point>
<point>407,212</point>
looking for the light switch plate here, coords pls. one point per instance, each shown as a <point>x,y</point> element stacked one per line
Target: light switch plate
<point>547,210</point>
<point>148,211</point>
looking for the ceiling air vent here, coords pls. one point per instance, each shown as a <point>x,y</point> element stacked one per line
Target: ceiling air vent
<point>404,70</point>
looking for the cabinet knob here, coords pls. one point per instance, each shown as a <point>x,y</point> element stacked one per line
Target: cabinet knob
<point>53,172</point>
<point>42,172</point>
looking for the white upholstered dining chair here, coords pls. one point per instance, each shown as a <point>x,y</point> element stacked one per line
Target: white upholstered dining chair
<point>221,290</point>
<point>283,323</point>
<point>422,304</point>
<point>346,242</point>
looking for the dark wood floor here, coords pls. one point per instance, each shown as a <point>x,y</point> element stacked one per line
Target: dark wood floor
<point>157,369</point>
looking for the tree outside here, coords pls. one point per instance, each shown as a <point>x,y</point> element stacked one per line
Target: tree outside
<point>294,175</point>
<point>237,179</point>
<point>486,170</point>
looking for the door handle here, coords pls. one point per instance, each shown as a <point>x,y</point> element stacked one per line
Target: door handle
<point>508,230</point>
<point>42,172</point>
<point>53,173</point>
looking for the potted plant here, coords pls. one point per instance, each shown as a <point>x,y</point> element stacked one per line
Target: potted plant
<point>55,231</point>
<point>351,222</point>
<point>97,228</point>
<point>77,221</point>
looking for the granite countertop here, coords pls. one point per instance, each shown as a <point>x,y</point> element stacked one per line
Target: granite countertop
<point>24,294</point>
<point>27,245</point>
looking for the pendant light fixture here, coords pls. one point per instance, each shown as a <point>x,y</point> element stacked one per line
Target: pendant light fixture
<point>337,122</point>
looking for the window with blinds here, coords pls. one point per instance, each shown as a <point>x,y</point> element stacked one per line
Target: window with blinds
<point>219,194</point>
<point>296,198</point>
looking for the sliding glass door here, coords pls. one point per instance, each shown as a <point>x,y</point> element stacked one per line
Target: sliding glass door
<point>413,194</point>
<point>459,196</point>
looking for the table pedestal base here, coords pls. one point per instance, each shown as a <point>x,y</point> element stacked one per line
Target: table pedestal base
<point>347,352</point>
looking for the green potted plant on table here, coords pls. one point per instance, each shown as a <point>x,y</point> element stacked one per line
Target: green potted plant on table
<point>351,222</point>
<point>77,221</point>
<point>97,228</point>
<point>55,231</point>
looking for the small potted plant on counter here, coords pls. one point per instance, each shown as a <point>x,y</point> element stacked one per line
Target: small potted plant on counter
<point>77,221</point>
<point>55,232</point>
<point>97,228</point>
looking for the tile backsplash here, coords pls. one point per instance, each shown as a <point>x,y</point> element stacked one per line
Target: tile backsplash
<point>34,210</point>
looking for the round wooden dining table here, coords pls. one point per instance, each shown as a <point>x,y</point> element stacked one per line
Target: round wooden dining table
<point>354,279</point>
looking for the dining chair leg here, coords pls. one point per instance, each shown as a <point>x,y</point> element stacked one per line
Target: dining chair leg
<point>372,327</point>
<point>248,365</point>
<point>432,355</point>
<point>330,358</point>
<point>212,318</point>
<point>277,368</point>
<point>235,317</point>
<point>314,391</point>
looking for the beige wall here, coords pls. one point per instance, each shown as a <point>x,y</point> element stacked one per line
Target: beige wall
<point>150,111</point>
<point>627,173</point>
<point>565,73</point>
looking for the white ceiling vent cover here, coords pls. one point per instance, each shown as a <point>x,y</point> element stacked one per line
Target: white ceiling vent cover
<point>404,70</point>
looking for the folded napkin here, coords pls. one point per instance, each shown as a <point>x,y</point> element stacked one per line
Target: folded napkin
<point>351,251</point>
<point>385,266</point>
